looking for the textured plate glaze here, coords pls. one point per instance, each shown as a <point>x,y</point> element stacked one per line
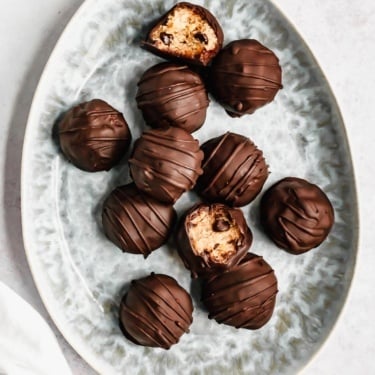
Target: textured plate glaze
<point>81,275</point>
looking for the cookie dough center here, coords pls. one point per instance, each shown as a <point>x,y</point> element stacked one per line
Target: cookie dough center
<point>184,32</point>
<point>214,235</point>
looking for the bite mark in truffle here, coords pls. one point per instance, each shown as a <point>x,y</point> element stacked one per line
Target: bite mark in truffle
<point>156,311</point>
<point>296,214</point>
<point>172,95</point>
<point>243,296</point>
<point>94,136</point>
<point>234,170</point>
<point>187,31</point>
<point>136,222</point>
<point>212,237</point>
<point>245,75</point>
<point>165,163</point>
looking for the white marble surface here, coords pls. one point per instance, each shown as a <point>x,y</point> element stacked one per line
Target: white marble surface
<point>341,34</point>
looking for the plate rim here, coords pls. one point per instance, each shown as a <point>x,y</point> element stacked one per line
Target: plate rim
<point>70,337</point>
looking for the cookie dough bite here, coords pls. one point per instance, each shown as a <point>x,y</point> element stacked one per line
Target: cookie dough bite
<point>296,214</point>
<point>234,170</point>
<point>156,311</point>
<point>245,76</point>
<point>165,163</point>
<point>187,32</point>
<point>94,136</point>
<point>243,296</point>
<point>172,95</point>
<point>136,222</point>
<point>212,238</point>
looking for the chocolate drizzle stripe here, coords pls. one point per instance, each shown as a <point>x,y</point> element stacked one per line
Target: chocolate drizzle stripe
<point>146,218</point>
<point>182,312</point>
<point>99,114</point>
<point>285,222</point>
<point>248,300</point>
<point>157,213</point>
<point>133,221</point>
<point>218,146</point>
<point>112,217</point>
<point>147,324</point>
<point>190,113</point>
<point>250,75</point>
<point>160,142</point>
<point>248,178</point>
<point>149,75</point>
<point>224,166</point>
<point>244,284</point>
<point>186,91</point>
<point>153,154</point>
<point>150,298</point>
<point>179,184</point>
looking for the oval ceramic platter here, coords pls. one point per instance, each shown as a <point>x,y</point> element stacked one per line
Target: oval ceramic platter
<point>81,275</point>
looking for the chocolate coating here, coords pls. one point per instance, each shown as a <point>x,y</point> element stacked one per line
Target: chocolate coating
<point>94,136</point>
<point>136,222</point>
<point>172,95</point>
<point>234,170</point>
<point>245,76</point>
<point>296,214</point>
<point>156,311</point>
<point>165,163</point>
<point>243,296</point>
<point>188,33</point>
<point>212,238</point>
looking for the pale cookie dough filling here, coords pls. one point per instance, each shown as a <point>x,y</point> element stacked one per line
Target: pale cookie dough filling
<point>184,33</point>
<point>215,235</point>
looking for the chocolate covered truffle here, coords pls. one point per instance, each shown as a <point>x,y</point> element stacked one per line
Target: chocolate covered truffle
<point>243,296</point>
<point>165,163</point>
<point>188,32</point>
<point>136,222</point>
<point>234,170</point>
<point>172,95</point>
<point>245,76</point>
<point>156,311</point>
<point>94,136</point>
<point>296,214</point>
<point>212,238</point>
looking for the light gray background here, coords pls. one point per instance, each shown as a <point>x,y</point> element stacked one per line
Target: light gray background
<point>340,33</point>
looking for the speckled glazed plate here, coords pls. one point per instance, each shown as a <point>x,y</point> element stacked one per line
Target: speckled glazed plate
<point>81,275</point>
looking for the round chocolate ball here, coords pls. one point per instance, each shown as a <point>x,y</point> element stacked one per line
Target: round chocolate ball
<point>296,214</point>
<point>165,163</point>
<point>243,296</point>
<point>136,222</point>
<point>172,95</point>
<point>212,238</point>
<point>234,170</point>
<point>94,136</point>
<point>156,311</point>
<point>245,76</point>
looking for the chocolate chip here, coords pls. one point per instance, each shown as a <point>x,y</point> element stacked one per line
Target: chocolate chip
<point>220,225</point>
<point>166,38</point>
<point>201,37</point>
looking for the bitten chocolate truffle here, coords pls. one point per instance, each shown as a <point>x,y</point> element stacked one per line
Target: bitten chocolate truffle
<point>245,76</point>
<point>165,163</point>
<point>172,95</point>
<point>234,170</point>
<point>212,238</point>
<point>296,214</point>
<point>136,222</point>
<point>94,136</point>
<point>243,296</point>
<point>156,311</point>
<point>188,32</point>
